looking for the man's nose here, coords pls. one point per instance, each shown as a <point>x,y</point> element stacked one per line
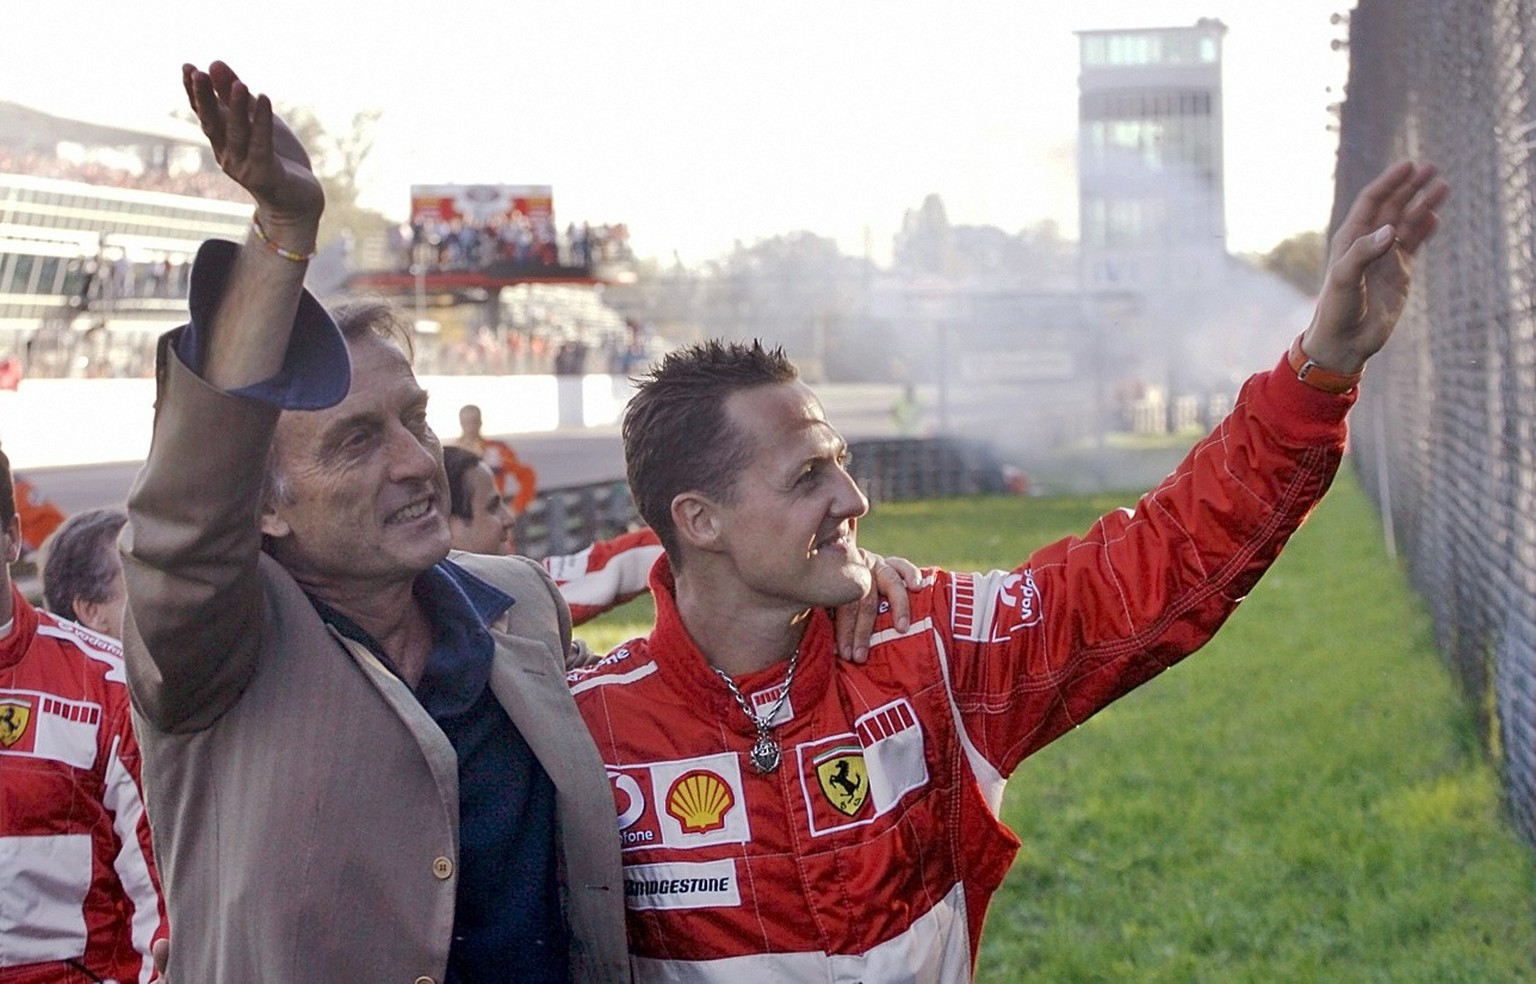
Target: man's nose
<point>851,500</point>
<point>409,455</point>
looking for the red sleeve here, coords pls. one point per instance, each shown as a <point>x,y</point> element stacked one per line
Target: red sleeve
<point>606,574</point>
<point>39,517</point>
<point>1035,651</point>
<point>510,466</point>
<point>142,902</point>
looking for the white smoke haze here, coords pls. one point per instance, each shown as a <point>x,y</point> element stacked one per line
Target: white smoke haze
<point>992,314</point>
<point>1061,382</point>
<point>1082,387</point>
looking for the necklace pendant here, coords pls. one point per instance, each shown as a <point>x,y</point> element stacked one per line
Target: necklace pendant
<point>765,754</point>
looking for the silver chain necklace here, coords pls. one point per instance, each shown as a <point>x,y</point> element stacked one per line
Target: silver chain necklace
<point>765,750</point>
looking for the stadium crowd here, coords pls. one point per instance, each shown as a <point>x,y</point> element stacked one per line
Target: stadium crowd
<point>562,329</point>
<point>519,241</point>
<point>197,184</point>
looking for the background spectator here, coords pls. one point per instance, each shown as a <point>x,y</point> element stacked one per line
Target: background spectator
<point>503,462</point>
<point>83,574</point>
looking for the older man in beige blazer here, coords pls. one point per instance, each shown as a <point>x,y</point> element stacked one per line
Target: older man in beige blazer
<point>362,760</point>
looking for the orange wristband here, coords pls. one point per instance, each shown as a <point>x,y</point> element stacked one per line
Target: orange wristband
<point>286,254</point>
<point>1316,376</point>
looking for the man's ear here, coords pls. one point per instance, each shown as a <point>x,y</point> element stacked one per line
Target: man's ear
<point>13,540</point>
<point>91,614</point>
<point>697,520</point>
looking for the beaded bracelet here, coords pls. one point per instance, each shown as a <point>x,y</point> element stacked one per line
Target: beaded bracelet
<point>286,254</point>
<point>1316,376</point>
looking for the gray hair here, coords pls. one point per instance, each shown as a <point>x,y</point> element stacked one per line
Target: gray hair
<point>354,318</point>
<point>377,315</point>
<point>81,560</point>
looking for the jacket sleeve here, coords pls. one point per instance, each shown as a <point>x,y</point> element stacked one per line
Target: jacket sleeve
<point>563,621</point>
<point>1035,651</point>
<point>196,606</point>
<point>521,577</point>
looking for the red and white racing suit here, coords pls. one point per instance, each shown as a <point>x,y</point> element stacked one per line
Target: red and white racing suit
<point>79,895</point>
<point>872,851</point>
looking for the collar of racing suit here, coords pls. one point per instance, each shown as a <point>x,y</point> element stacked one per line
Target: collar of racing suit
<point>690,676</point>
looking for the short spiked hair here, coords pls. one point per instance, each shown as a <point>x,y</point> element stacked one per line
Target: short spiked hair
<point>677,435</point>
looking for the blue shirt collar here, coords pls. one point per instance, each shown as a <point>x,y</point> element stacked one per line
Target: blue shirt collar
<point>460,606</point>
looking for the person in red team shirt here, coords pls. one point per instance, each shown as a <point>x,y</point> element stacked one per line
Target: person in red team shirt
<point>499,457</point>
<point>39,516</point>
<point>787,816</point>
<point>79,893</point>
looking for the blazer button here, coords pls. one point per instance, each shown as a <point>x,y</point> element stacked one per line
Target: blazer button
<point>442,868</point>
<point>424,979</point>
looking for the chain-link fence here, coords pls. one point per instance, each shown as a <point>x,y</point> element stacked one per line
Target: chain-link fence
<point>1445,433</point>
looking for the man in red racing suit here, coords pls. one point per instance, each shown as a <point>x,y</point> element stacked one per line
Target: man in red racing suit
<point>893,769</point>
<point>787,816</point>
<point>79,894</point>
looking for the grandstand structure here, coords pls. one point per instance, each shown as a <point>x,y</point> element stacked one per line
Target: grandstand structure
<point>99,225</point>
<point>496,287</point>
<point>94,255</point>
<point>1150,157</point>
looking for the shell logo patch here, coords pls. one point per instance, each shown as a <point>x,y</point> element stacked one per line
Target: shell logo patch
<point>680,804</point>
<point>15,713</point>
<point>843,778</point>
<point>699,801</point>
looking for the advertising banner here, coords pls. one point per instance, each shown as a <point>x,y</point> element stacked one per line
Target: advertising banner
<point>481,204</point>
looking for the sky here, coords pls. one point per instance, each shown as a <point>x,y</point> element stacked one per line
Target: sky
<point>702,123</point>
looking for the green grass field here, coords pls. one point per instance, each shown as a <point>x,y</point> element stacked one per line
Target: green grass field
<point>1304,800</point>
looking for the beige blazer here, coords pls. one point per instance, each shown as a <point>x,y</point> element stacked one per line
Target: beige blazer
<point>303,803</point>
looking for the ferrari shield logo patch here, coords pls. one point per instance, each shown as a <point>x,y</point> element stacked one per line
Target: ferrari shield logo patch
<point>14,715</point>
<point>845,783</point>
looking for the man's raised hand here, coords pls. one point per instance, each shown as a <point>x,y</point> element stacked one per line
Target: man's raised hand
<point>1370,259</point>
<point>257,150</point>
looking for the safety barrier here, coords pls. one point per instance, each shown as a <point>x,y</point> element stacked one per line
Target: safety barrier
<point>565,520</point>
<point>1445,431</point>
<point>892,469</point>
